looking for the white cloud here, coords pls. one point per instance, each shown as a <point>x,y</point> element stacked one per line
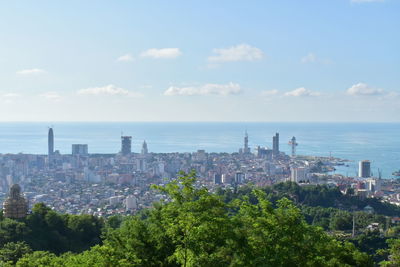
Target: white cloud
<point>212,66</point>
<point>108,90</point>
<point>9,98</point>
<point>269,92</point>
<point>125,58</point>
<point>301,92</point>
<point>366,1</point>
<point>393,94</point>
<point>242,52</point>
<point>310,58</point>
<point>11,95</point>
<point>207,89</point>
<point>31,72</point>
<point>51,96</point>
<point>162,53</point>
<point>313,58</point>
<point>362,89</point>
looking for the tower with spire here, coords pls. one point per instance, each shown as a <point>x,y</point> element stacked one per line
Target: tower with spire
<point>144,148</point>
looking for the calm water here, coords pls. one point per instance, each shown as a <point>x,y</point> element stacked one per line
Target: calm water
<point>378,142</point>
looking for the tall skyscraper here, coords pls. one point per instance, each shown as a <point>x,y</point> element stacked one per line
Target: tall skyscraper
<point>51,142</point>
<point>275,144</point>
<point>144,148</point>
<point>79,149</point>
<point>126,144</point>
<point>364,169</point>
<point>246,149</point>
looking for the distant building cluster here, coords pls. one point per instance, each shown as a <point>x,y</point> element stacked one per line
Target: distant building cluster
<point>107,184</point>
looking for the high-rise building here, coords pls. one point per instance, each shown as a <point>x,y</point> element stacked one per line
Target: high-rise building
<point>144,148</point>
<point>126,144</point>
<point>217,178</point>
<point>141,164</point>
<point>130,202</point>
<point>263,152</point>
<point>51,142</point>
<point>246,149</point>
<point>364,169</point>
<point>293,144</point>
<point>225,179</point>
<point>239,177</point>
<point>298,174</point>
<point>80,149</point>
<point>275,144</point>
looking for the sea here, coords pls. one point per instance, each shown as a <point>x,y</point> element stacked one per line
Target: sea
<point>377,142</point>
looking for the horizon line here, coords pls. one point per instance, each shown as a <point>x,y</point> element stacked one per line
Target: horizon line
<point>95,121</point>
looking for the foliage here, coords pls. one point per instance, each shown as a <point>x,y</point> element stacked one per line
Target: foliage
<point>394,253</point>
<point>370,242</point>
<point>47,230</point>
<point>12,231</point>
<point>341,220</point>
<point>282,225</point>
<point>40,258</point>
<point>197,228</point>
<point>11,252</point>
<point>315,196</point>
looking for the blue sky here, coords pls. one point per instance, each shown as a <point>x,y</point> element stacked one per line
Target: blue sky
<point>321,60</point>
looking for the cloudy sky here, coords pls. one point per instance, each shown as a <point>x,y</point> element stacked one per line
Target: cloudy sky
<point>284,60</point>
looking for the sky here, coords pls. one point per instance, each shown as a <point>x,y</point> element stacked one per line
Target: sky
<point>272,61</point>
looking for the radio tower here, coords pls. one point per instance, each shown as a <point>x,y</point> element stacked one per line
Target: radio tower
<point>293,143</point>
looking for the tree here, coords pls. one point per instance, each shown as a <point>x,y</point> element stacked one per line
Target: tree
<point>280,237</point>
<point>341,220</point>
<point>370,242</point>
<point>85,230</point>
<point>198,223</point>
<point>12,251</point>
<point>394,253</point>
<point>196,228</point>
<point>40,258</point>
<point>12,231</point>
<point>114,221</point>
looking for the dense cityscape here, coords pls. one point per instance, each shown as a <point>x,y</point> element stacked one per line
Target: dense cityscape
<point>200,133</point>
<point>109,184</point>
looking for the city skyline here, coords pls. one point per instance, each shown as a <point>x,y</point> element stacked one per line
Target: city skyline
<point>200,133</point>
<point>264,61</point>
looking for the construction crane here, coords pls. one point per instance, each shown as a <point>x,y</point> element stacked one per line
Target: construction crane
<point>293,144</point>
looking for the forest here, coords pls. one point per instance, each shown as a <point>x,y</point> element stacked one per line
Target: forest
<point>282,225</point>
